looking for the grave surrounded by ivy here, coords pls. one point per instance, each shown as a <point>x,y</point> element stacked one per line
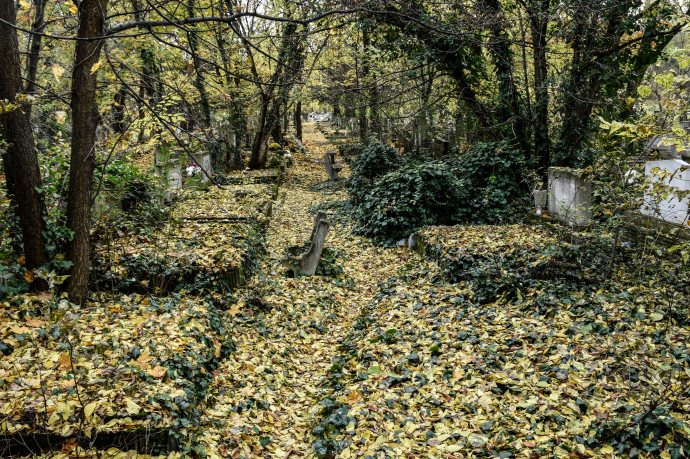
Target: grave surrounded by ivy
<point>211,244</point>
<point>131,365</point>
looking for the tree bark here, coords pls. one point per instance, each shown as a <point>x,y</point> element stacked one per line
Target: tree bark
<point>38,27</point>
<point>118,109</point>
<point>298,120</point>
<point>509,111</point>
<point>363,103</point>
<point>258,158</point>
<point>84,121</point>
<point>199,80</point>
<point>21,160</point>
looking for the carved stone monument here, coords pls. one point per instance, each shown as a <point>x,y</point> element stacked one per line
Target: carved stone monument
<point>570,196</point>
<point>203,160</point>
<point>332,168</point>
<point>304,259</point>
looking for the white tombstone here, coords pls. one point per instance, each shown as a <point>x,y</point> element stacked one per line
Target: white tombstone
<point>663,203</point>
<point>203,160</point>
<point>175,180</point>
<point>570,196</point>
<point>540,200</point>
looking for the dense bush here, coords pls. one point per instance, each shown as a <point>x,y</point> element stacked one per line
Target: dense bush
<point>491,173</point>
<point>350,151</point>
<point>393,197</point>
<point>408,198</point>
<point>375,160</point>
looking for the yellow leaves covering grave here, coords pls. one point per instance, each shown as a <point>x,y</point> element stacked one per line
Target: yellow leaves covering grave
<point>115,363</point>
<point>388,358</point>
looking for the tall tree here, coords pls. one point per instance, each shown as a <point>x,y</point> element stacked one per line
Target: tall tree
<point>199,77</point>
<point>20,161</point>
<point>85,118</point>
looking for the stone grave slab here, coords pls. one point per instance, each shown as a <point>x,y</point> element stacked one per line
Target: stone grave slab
<point>661,203</point>
<point>570,196</point>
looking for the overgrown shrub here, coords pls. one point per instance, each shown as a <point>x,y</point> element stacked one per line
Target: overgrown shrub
<point>142,212</point>
<point>350,151</point>
<point>376,160</point>
<point>491,174</point>
<point>393,197</point>
<point>415,195</point>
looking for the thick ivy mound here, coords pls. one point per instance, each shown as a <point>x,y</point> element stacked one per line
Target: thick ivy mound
<point>393,197</point>
<point>126,364</point>
<point>375,160</point>
<point>405,199</point>
<point>493,260</point>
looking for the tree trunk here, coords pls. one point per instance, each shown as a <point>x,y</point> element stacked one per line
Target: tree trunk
<point>298,120</point>
<point>274,117</point>
<point>199,80</point>
<point>84,121</point>
<point>258,157</point>
<point>38,27</point>
<point>20,161</point>
<point>539,21</point>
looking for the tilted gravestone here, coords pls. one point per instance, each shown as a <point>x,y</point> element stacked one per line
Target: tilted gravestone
<point>107,204</point>
<point>668,195</point>
<point>570,196</point>
<point>171,172</point>
<point>304,259</point>
<point>332,168</point>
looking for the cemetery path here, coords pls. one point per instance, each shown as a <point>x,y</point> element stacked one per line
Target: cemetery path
<point>267,393</point>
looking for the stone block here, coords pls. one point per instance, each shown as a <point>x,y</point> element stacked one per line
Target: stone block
<point>668,194</point>
<point>570,196</point>
<point>304,259</point>
<point>332,168</point>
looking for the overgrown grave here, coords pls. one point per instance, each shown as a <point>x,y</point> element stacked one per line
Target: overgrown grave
<point>427,370</point>
<point>504,260</point>
<point>129,372</point>
<point>211,244</point>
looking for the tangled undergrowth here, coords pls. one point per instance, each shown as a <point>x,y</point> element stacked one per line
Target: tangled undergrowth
<point>501,341</point>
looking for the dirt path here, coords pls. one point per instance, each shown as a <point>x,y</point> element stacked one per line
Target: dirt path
<point>267,394</point>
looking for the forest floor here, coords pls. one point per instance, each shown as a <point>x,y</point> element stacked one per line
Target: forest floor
<point>381,358</point>
<point>387,359</point>
<point>283,368</point>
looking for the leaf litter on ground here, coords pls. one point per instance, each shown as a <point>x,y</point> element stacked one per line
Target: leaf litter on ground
<point>398,355</point>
